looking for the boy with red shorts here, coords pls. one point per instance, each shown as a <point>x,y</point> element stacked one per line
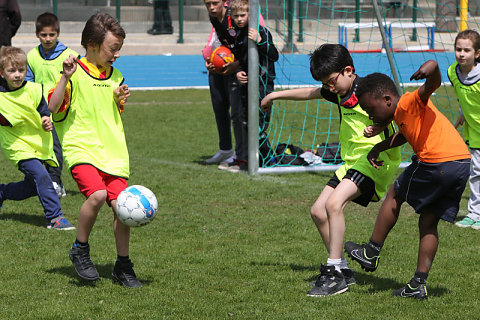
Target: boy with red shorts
<point>86,106</point>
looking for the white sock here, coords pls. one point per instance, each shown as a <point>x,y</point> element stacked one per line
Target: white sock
<point>334,262</point>
<point>344,264</point>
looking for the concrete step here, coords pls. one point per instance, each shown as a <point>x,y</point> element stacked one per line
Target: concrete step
<point>75,12</point>
<point>193,27</point>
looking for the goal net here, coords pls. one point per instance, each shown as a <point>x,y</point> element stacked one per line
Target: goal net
<point>303,136</point>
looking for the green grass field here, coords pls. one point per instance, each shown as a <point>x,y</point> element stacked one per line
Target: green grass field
<point>223,246</point>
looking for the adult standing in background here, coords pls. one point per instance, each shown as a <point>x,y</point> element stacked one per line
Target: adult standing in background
<point>10,20</point>
<point>162,21</point>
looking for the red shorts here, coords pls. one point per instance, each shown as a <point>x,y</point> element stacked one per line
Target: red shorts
<point>89,179</point>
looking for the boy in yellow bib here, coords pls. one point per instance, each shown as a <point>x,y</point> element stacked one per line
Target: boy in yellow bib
<point>25,137</point>
<point>86,106</point>
<point>44,67</point>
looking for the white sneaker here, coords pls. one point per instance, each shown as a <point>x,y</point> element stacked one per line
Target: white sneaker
<point>220,156</point>
<point>59,189</point>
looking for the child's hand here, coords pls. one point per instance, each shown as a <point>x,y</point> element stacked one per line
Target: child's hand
<point>69,66</point>
<point>460,121</point>
<point>266,103</point>
<point>121,94</point>
<point>47,123</point>
<point>372,157</point>
<point>368,132</point>
<point>229,68</point>
<point>242,77</point>
<point>210,67</point>
<point>425,70</point>
<point>373,130</point>
<point>253,35</point>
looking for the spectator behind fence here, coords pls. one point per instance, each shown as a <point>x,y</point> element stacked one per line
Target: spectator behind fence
<point>10,20</point>
<point>162,21</point>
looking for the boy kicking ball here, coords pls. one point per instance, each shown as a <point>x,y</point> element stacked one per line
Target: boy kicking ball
<point>87,103</point>
<point>432,184</point>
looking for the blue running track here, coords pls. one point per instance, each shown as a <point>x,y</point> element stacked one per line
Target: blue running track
<point>182,71</point>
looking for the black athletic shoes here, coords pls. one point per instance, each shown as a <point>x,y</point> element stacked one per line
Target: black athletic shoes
<point>80,256</point>
<point>329,283</point>
<point>348,274</point>
<point>123,273</point>
<point>357,253</point>
<point>420,292</point>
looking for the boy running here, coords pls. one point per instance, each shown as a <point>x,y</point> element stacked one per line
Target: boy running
<point>356,180</point>
<point>432,184</point>
<point>44,67</point>
<point>87,104</point>
<point>25,137</point>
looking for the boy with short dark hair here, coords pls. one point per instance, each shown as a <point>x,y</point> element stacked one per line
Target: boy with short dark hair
<point>356,180</point>
<point>25,137</point>
<point>44,67</point>
<point>432,184</point>
<point>87,104</point>
<point>267,55</point>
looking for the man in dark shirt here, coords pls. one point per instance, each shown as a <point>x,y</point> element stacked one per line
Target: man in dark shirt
<point>10,20</point>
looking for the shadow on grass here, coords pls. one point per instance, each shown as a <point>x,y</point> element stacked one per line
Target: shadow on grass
<point>73,192</point>
<point>377,284</point>
<point>104,270</point>
<point>32,219</point>
<point>201,161</point>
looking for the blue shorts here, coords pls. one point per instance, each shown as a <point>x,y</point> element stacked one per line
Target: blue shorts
<point>436,187</point>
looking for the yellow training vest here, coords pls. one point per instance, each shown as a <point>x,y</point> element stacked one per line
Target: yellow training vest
<point>90,128</point>
<point>469,98</point>
<point>355,147</point>
<point>25,139</point>
<point>47,72</point>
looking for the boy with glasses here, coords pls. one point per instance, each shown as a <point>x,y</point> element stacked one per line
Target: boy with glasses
<point>356,180</point>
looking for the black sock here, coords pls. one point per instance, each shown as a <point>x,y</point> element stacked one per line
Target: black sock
<point>78,243</point>
<point>373,249</point>
<point>123,259</point>
<point>418,279</point>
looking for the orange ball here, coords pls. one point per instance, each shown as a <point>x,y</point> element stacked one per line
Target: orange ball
<point>221,56</point>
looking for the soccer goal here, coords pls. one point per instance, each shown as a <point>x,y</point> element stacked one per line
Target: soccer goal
<point>393,37</point>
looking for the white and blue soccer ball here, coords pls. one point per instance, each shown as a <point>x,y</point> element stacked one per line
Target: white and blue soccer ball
<point>136,206</point>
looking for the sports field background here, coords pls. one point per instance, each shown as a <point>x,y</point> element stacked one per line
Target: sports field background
<point>183,71</point>
<point>223,246</point>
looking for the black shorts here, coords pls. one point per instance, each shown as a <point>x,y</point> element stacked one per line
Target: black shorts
<point>437,187</point>
<point>364,184</point>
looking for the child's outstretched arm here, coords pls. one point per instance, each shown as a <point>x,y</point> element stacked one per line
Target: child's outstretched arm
<point>430,71</point>
<point>69,67</point>
<point>293,94</point>
<point>391,142</point>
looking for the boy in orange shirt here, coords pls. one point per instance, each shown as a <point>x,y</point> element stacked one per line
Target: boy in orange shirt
<point>432,184</point>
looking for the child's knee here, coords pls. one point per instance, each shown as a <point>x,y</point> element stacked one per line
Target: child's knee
<point>98,197</point>
<point>333,206</point>
<point>318,214</point>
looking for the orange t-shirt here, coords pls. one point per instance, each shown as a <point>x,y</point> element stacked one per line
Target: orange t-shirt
<point>431,135</point>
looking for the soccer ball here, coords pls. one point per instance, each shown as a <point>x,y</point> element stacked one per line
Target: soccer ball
<point>220,56</point>
<point>136,206</point>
